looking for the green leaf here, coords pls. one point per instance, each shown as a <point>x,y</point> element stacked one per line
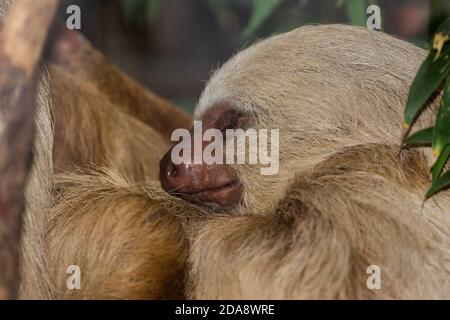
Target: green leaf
<point>441,133</point>
<point>421,137</point>
<point>430,75</point>
<point>356,12</point>
<point>440,164</point>
<point>442,183</point>
<point>262,9</point>
<point>441,37</point>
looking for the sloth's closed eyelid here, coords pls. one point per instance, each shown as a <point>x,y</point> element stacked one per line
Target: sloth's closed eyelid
<point>224,116</point>
<point>235,120</point>
<point>232,123</point>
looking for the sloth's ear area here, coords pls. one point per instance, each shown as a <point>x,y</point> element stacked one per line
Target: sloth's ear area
<point>64,44</point>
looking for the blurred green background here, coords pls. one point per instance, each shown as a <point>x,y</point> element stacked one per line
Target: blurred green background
<point>172,46</point>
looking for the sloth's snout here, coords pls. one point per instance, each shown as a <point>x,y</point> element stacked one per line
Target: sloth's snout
<point>213,185</point>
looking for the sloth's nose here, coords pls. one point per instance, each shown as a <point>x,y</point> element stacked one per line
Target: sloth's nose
<point>175,178</point>
<point>212,185</point>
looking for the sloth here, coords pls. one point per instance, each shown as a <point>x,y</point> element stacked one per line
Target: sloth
<point>345,198</point>
<point>344,201</point>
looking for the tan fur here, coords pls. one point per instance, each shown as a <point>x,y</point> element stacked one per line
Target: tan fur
<point>343,199</point>
<point>35,280</point>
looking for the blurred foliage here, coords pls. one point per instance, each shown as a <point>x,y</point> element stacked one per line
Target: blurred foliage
<point>141,12</point>
<point>260,11</point>
<point>432,77</point>
<point>440,8</point>
<point>356,11</point>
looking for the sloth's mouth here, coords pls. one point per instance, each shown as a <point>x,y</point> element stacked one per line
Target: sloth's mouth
<point>223,196</point>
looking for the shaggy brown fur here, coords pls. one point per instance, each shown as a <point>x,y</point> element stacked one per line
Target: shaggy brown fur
<point>115,224</point>
<point>92,131</point>
<point>89,65</point>
<point>124,237</point>
<point>126,240</point>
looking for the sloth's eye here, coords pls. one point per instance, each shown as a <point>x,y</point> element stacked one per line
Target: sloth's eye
<point>231,119</point>
<point>231,122</point>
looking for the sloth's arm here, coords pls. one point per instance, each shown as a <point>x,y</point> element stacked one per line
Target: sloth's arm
<point>75,54</point>
<point>91,132</point>
<point>125,242</point>
<point>256,257</point>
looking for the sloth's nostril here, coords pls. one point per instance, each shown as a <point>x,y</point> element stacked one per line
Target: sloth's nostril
<point>173,172</point>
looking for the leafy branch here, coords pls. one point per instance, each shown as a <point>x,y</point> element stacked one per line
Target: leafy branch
<point>432,77</point>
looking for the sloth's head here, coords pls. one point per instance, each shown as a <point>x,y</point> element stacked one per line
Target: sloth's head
<point>312,91</point>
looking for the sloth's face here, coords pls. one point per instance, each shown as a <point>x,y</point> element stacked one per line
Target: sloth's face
<point>229,162</point>
<point>212,181</point>
<point>264,89</point>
